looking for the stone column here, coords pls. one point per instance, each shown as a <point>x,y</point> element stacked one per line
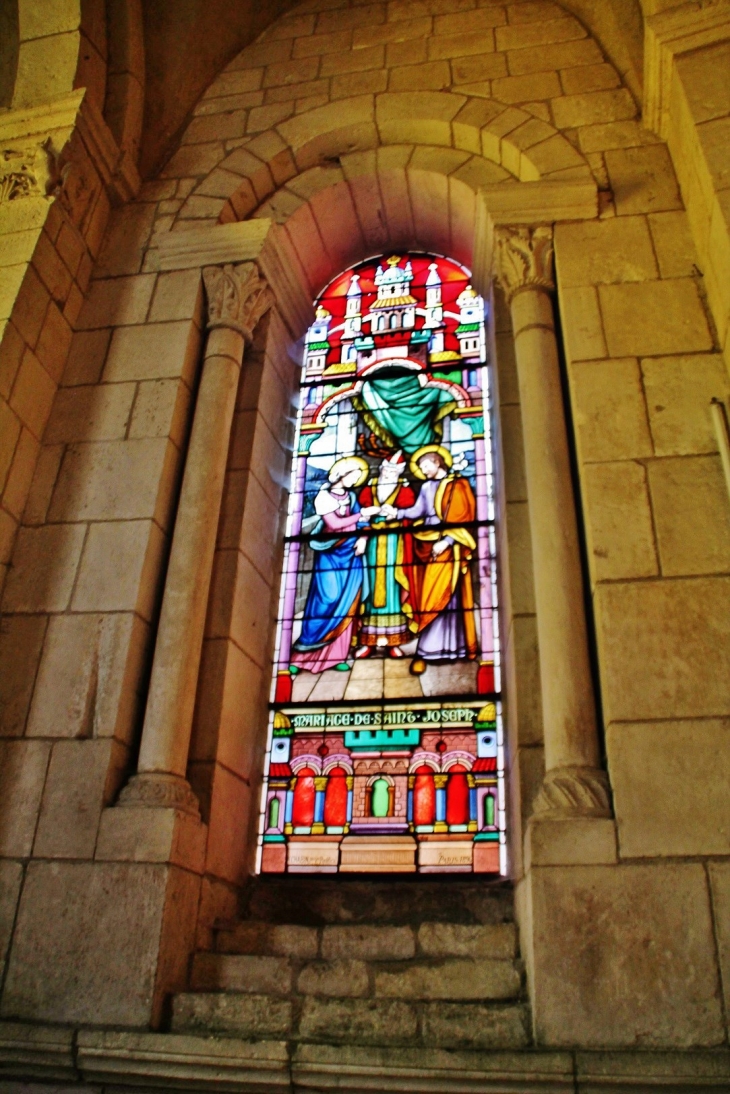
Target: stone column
<point>237,298</point>
<point>574,784</point>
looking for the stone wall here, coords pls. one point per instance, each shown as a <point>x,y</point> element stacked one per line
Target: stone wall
<point>356,128</point>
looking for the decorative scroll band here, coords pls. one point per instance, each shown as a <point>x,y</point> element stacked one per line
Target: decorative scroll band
<point>524,259</point>
<point>237,297</point>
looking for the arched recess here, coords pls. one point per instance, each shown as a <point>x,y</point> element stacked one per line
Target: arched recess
<point>342,221</point>
<point>339,179</point>
<point>214,34</point>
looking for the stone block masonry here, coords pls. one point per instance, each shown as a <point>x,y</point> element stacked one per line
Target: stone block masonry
<point>373,981</point>
<point>359,128</point>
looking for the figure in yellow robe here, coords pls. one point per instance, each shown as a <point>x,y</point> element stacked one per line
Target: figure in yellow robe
<point>435,565</point>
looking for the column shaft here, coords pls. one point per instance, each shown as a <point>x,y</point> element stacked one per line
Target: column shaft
<point>237,298</point>
<point>567,689</point>
<point>169,717</point>
<point>574,784</point>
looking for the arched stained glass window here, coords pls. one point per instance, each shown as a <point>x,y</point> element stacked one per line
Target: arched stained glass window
<point>387,656</point>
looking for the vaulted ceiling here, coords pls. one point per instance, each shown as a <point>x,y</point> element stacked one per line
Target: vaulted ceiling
<point>189,41</point>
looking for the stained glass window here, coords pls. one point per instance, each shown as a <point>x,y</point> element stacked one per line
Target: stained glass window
<point>385,742</point>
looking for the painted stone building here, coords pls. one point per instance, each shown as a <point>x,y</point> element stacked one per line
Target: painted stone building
<point>365,544</point>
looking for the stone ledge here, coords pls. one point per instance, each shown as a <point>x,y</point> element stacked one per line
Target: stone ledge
<point>36,1052</point>
<point>542,202</point>
<point>193,248</point>
<point>614,1071</point>
<point>323,1067</point>
<point>175,1061</point>
<point>257,240</point>
<point>547,201</point>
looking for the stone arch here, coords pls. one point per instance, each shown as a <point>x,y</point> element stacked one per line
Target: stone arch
<point>345,223</point>
<point>265,121</point>
<point>478,141</point>
<point>337,761</point>
<point>306,760</point>
<point>424,759</point>
<point>337,176</point>
<point>457,757</point>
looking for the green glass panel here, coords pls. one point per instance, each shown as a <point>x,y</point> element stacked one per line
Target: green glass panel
<point>380,800</point>
<point>273,813</point>
<point>489,809</point>
<point>368,739</point>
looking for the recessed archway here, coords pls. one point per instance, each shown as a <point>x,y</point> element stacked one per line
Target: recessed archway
<point>341,217</point>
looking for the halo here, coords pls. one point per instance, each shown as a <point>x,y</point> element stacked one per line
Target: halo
<point>438,449</point>
<point>348,463</point>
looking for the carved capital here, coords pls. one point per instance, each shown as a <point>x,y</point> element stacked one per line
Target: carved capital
<point>524,259</point>
<point>18,178</point>
<point>157,790</point>
<point>574,792</point>
<point>237,297</point>
<point>23,172</point>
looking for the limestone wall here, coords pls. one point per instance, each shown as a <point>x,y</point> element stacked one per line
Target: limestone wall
<point>356,128</point>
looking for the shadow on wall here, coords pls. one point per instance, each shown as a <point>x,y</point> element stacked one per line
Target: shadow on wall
<point>187,44</point>
<point>9,49</point>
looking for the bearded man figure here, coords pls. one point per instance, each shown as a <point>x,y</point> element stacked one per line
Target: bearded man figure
<point>384,625</point>
<point>435,566</point>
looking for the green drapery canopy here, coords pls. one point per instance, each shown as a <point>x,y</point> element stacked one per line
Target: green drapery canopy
<point>402,413</point>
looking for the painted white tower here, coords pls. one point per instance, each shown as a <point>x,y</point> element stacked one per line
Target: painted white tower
<point>469,330</point>
<point>353,321</point>
<point>434,310</point>
<point>317,344</point>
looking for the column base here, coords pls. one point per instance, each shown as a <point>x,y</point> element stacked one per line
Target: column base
<point>131,915</point>
<point>126,919</point>
<point>570,841</point>
<point>574,792</point>
<point>157,819</point>
<point>159,790</point>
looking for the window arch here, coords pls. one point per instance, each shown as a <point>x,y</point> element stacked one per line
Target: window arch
<point>388,637</point>
<point>424,798</point>
<point>304,798</point>
<point>336,798</point>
